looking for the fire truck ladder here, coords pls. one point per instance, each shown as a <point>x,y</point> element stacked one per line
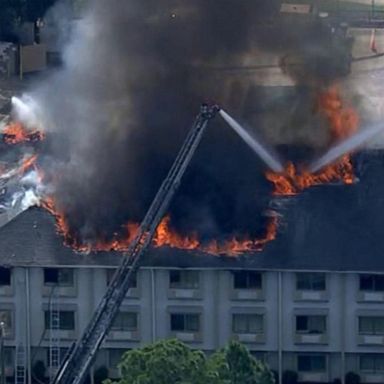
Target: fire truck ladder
<point>81,355</point>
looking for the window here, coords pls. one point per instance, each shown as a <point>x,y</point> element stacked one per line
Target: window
<point>185,322</point>
<point>247,323</point>
<point>111,273</point>
<point>372,283</point>
<point>115,356</point>
<point>56,276</point>
<point>125,322</point>
<point>9,360</point>
<point>184,279</point>
<point>372,363</point>
<point>310,281</point>
<point>58,354</point>
<point>311,363</point>
<point>6,319</point>
<point>5,276</point>
<point>371,325</point>
<point>310,324</point>
<point>247,280</point>
<point>66,320</point>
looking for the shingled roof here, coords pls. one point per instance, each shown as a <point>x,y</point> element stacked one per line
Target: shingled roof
<point>328,228</point>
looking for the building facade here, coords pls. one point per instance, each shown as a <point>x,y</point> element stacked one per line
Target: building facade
<point>319,324</point>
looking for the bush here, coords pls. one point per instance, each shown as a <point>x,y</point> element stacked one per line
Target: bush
<point>352,378</point>
<point>290,377</point>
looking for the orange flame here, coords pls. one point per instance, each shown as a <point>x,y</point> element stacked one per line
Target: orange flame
<point>164,236</point>
<point>15,133</point>
<point>343,122</point>
<point>27,163</point>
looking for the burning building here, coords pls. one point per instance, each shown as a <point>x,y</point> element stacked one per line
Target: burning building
<point>242,248</point>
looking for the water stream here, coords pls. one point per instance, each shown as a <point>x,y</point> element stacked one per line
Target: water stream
<point>345,147</point>
<point>271,161</point>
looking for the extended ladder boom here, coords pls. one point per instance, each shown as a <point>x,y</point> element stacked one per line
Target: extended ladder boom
<point>78,360</point>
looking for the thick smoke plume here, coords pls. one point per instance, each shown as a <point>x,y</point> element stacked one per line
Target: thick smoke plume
<point>133,77</point>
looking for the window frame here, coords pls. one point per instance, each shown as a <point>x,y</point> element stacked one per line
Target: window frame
<point>47,320</point>
<point>373,357</point>
<point>247,317</point>
<point>187,279</point>
<point>311,281</point>
<point>62,353</point>
<point>9,277</point>
<point>374,320</point>
<point>60,281</point>
<point>253,280</point>
<point>186,322</point>
<point>110,272</point>
<point>375,282</point>
<point>312,356</point>
<point>308,330</point>
<point>121,328</point>
<point>8,329</point>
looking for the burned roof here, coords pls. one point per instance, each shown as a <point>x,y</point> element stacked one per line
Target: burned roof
<point>327,228</point>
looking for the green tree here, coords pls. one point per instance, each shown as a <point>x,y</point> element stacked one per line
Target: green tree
<point>171,361</point>
<point>235,365</point>
<point>164,362</point>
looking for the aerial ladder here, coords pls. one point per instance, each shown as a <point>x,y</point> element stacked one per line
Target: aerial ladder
<point>78,360</point>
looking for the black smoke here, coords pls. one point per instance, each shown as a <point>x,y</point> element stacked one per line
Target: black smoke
<point>132,81</point>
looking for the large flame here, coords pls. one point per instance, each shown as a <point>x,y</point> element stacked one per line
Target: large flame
<point>164,236</point>
<point>15,133</point>
<point>343,122</point>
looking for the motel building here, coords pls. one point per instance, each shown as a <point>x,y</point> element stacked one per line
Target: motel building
<point>312,301</point>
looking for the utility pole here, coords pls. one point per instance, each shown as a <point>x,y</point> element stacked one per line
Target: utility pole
<point>2,356</point>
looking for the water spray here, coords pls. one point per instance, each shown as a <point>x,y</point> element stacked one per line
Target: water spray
<point>265,155</point>
<point>345,147</point>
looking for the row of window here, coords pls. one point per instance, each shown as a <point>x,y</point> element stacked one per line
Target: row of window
<point>179,322</point>
<point>369,363</point>
<point>241,323</point>
<point>190,279</point>
<point>306,363</point>
<point>249,323</point>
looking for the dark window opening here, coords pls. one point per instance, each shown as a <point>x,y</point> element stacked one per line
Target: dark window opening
<point>5,276</point>
<point>132,281</point>
<point>311,324</point>
<point>310,281</point>
<point>247,280</point>
<point>311,363</point>
<point>65,320</point>
<point>125,321</point>
<point>183,279</point>
<point>373,283</point>
<point>185,322</point>
<point>58,276</point>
